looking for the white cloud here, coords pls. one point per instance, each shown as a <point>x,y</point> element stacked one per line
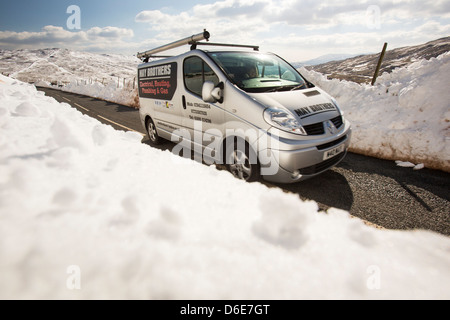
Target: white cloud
<point>317,27</point>
<point>230,18</point>
<point>312,27</point>
<point>305,13</point>
<point>433,28</point>
<point>298,47</point>
<point>51,36</point>
<point>110,32</point>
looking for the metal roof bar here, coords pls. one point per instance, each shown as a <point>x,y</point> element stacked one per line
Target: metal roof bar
<point>158,56</point>
<point>189,40</point>
<point>194,42</point>
<point>194,46</point>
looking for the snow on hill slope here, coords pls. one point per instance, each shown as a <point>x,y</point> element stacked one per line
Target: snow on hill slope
<point>361,69</point>
<point>406,116</point>
<point>88,212</point>
<point>49,65</point>
<point>105,76</point>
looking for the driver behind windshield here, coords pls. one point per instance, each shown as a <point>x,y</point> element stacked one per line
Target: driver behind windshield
<point>250,72</point>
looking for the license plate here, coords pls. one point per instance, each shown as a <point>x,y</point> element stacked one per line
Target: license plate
<point>333,152</point>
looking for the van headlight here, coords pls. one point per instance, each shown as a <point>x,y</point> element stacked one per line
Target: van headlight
<point>283,120</point>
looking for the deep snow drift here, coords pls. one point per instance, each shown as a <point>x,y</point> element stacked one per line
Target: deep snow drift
<point>90,212</point>
<point>125,95</point>
<point>406,116</point>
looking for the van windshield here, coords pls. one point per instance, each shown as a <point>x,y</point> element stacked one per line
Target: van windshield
<point>257,72</point>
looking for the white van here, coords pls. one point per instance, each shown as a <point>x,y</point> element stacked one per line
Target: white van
<point>251,111</point>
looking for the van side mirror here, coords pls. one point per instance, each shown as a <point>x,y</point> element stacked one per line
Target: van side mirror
<point>212,93</point>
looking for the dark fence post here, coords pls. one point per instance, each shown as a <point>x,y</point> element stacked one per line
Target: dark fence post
<point>380,60</point>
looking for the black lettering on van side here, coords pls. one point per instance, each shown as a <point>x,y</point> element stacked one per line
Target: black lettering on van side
<point>158,82</point>
<point>199,112</point>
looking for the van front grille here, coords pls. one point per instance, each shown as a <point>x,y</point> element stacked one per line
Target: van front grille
<point>315,129</point>
<point>338,121</point>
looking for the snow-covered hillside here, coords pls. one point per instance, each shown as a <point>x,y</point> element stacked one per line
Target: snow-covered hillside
<point>111,77</point>
<point>89,212</point>
<point>62,65</point>
<point>406,116</point>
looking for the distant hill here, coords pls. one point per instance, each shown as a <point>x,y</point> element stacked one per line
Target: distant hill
<point>323,59</point>
<point>360,69</point>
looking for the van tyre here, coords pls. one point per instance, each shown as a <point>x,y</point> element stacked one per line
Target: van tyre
<point>240,163</point>
<point>152,133</point>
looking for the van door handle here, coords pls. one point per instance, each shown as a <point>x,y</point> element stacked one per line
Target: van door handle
<point>184,102</point>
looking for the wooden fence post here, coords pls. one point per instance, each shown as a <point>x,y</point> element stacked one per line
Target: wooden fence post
<point>380,60</point>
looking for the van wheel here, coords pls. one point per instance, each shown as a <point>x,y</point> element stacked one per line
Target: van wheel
<point>240,164</point>
<point>152,133</point>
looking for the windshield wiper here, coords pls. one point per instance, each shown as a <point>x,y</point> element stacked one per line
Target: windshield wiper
<point>299,87</point>
<point>270,80</point>
<point>275,89</point>
<point>286,88</point>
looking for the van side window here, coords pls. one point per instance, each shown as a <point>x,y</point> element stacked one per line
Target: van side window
<point>196,72</point>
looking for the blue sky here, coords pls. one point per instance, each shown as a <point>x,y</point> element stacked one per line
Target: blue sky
<point>32,15</point>
<point>296,29</point>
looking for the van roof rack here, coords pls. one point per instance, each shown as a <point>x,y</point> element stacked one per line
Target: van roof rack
<point>194,41</point>
<point>194,46</point>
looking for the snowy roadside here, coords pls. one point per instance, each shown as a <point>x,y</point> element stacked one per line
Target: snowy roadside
<point>406,116</point>
<point>125,95</point>
<point>88,212</point>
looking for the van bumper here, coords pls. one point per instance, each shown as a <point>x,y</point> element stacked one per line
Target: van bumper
<point>304,163</point>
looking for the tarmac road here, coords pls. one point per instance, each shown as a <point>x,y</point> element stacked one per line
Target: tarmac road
<point>374,190</point>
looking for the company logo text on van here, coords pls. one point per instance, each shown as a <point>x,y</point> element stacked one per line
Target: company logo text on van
<point>164,70</point>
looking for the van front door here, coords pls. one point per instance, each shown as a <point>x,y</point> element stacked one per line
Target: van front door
<point>204,121</point>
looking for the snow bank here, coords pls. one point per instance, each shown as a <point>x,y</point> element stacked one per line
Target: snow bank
<point>125,95</point>
<point>88,212</point>
<point>406,116</point>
